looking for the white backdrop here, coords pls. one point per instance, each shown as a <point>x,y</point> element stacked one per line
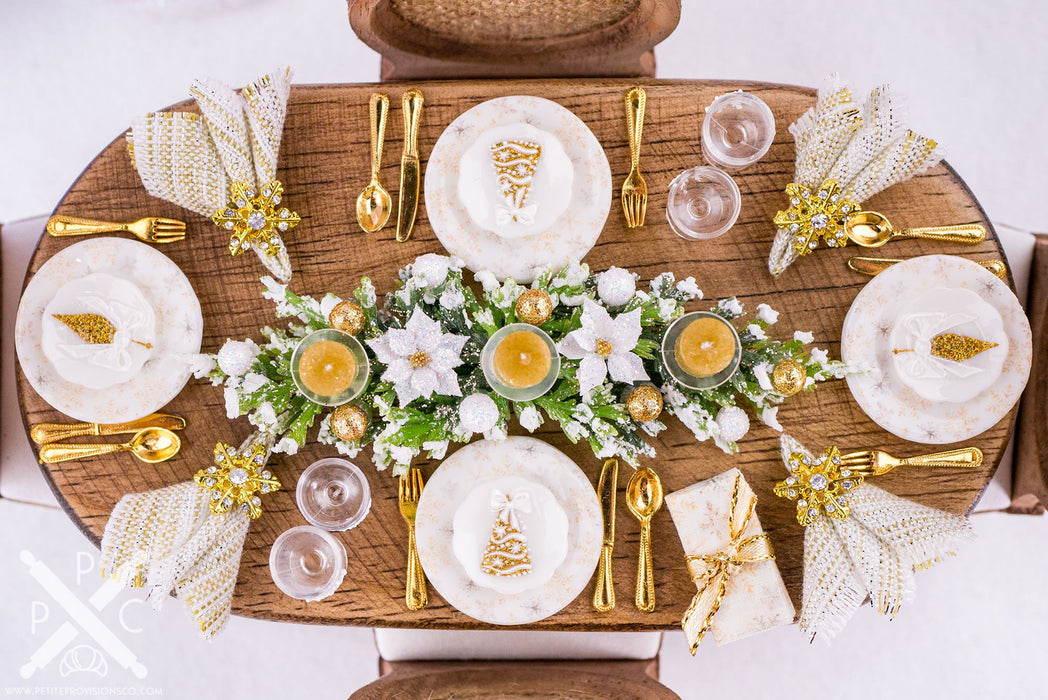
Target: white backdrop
<point>75,73</point>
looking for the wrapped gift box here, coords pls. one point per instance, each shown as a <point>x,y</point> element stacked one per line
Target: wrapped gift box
<point>755,598</point>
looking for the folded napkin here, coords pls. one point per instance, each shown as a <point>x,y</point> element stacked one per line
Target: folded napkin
<point>1030,471</point>
<point>740,589</point>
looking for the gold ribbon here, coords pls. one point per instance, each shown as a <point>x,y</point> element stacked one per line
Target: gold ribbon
<point>713,571</point>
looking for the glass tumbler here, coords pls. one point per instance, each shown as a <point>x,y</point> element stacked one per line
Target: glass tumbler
<point>737,131</point>
<point>333,494</point>
<point>703,203</point>
<point>307,563</point>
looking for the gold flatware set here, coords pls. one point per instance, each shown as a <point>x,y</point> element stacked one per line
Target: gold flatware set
<point>408,493</point>
<point>153,439</point>
<point>150,230</point>
<point>375,204</point>
<point>643,499</point>
<point>875,266</point>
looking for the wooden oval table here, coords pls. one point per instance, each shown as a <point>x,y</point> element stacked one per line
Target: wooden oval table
<point>324,163</point>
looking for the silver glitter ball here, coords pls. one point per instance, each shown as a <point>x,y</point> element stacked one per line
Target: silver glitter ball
<point>478,413</point>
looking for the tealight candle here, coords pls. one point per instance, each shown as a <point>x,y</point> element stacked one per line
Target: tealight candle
<point>701,350</point>
<point>705,347</point>
<point>520,362</point>
<point>330,367</point>
<point>327,368</point>
<point>521,359</point>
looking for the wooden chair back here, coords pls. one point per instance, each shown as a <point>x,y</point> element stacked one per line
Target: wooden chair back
<point>514,38</point>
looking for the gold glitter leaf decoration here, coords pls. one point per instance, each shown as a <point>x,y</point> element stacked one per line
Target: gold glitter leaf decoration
<point>955,347</point>
<point>95,329</point>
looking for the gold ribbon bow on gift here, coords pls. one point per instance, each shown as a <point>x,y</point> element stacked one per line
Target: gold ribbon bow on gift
<point>712,572</point>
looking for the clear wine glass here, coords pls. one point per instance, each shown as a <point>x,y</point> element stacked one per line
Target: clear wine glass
<point>307,563</point>
<point>333,494</point>
<point>737,131</point>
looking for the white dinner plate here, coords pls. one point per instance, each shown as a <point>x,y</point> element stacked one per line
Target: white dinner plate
<point>527,458</point>
<point>570,236</point>
<point>866,343</point>
<point>179,327</point>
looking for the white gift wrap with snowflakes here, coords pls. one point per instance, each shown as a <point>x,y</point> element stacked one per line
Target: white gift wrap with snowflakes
<point>192,159</point>
<point>755,599</point>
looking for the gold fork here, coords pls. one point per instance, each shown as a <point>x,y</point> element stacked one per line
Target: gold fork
<point>150,229</point>
<point>877,462</point>
<point>408,492</point>
<point>634,189</point>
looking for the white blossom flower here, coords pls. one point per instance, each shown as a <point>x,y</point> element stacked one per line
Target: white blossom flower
<point>452,298</point>
<point>487,280</point>
<point>574,274</point>
<point>769,416</point>
<point>200,364</point>
<point>666,308</point>
<point>756,331</point>
<point>529,418</point>
<point>803,336</point>
<point>731,306</point>
<point>430,270</point>
<point>572,299</point>
<point>604,346</point>
<point>328,303</point>
<point>436,448</point>
<point>420,360</point>
<point>819,355</point>
<point>286,446</point>
<point>232,398</point>
<point>573,429</point>
<point>401,454</point>
<point>767,314</point>
<point>688,286</point>
<point>761,372</point>
<point>253,382</point>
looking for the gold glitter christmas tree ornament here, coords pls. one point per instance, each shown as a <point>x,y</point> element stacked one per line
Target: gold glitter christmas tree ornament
<point>644,403</point>
<point>95,329</point>
<point>954,346</point>
<point>534,306</point>
<point>515,163</point>
<point>507,550</point>
<point>348,317</point>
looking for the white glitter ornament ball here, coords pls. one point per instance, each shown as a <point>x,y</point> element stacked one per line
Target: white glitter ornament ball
<point>478,413</point>
<point>615,286</point>
<point>235,357</point>
<point>733,423</point>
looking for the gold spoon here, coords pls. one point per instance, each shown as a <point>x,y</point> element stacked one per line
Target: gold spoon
<point>150,445</point>
<point>374,204</point>
<point>872,230</point>
<point>644,498</point>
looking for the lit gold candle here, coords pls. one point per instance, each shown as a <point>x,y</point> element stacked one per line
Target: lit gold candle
<point>327,368</point>
<point>705,347</point>
<point>522,359</point>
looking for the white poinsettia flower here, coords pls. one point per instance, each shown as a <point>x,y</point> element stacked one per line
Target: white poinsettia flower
<point>420,359</point>
<point>604,345</point>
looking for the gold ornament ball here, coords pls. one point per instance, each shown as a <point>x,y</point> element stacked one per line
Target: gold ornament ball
<point>349,422</point>
<point>534,306</point>
<point>348,317</point>
<point>788,377</point>
<point>644,403</point>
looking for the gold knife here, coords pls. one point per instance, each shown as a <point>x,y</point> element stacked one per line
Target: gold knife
<point>604,593</point>
<point>875,266</point>
<point>44,433</point>
<point>407,205</point>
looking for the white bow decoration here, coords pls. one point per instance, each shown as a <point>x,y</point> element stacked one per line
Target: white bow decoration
<point>508,213</point>
<point>508,505</point>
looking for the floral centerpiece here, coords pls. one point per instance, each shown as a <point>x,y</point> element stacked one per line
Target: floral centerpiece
<point>428,388</point>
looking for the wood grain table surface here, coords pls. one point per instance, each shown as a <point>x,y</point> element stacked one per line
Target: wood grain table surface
<point>324,164</point>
